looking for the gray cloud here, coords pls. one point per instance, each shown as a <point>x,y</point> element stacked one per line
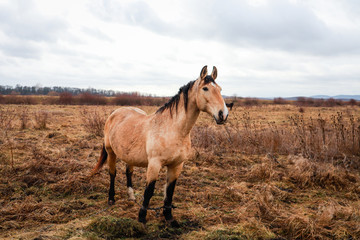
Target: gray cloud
<point>137,13</point>
<point>279,24</point>
<point>23,50</point>
<point>24,26</point>
<point>282,25</point>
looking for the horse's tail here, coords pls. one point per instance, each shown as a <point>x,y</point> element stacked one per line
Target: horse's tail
<point>101,161</point>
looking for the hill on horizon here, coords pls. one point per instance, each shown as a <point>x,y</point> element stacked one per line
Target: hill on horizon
<point>337,97</point>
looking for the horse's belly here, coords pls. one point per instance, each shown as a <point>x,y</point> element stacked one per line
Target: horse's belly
<point>132,154</point>
<point>134,158</point>
<point>127,138</point>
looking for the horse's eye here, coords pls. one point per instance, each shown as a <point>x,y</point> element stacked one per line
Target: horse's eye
<point>205,88</point>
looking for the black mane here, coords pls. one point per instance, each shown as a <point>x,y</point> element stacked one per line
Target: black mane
<point>209,79</point>
<point>174,101</point>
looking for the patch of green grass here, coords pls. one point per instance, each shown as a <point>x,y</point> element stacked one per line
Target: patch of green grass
<point>112,228</point>
<point>161,230</point>
<point>250,230</point>
<point>224,234</point>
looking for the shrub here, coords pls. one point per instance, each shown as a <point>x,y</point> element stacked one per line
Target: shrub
<point>136,99</point>
<point>7,117</point>
<point>352,102</point>
<point>24,118</point>
<point>94,121</point>
<point>66,98</point>
<point>128,99</point>
<point>280,100</point>
<point>251,102</point>
<point>91,99</point>
<point>41,118</point>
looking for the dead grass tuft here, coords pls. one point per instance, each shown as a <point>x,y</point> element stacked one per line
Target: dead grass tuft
<point>260,172</point>
<point>7,116</point>
<point>307,173</point>
<point>41,119</point>
<point>24,118</point>
<point>252,229</point>
<point>40,169</point>
<point>300,227</point>
<point>29,209</point>
<point>94,121</point>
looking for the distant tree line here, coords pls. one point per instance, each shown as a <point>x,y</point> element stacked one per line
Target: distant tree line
<point>37,90</point>
<point>74,96</point>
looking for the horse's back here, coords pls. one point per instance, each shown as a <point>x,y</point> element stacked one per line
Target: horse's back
<point>123,114</point>
<point>126,136</point>
<point>128,111</point>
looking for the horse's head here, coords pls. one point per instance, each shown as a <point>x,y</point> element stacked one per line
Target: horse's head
<point>208,97</point>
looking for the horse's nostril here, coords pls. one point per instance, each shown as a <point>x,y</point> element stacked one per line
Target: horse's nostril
<point>221,115</point>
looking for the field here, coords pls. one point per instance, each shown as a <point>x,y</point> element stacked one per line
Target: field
<point>271,172</point>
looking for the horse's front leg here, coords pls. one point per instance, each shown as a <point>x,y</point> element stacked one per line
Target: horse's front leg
<point>152,175</point>
<point>173,173</point>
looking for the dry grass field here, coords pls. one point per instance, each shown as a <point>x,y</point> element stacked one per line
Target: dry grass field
<point>271,172</point>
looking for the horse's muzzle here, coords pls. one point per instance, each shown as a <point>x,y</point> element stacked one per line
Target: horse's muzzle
<point>221,119</point>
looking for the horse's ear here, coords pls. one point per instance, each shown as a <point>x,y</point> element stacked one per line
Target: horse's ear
<point>203,72</point>
<point>214,73</point>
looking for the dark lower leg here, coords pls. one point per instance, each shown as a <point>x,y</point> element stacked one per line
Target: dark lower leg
<point>130,191</point>
<point>168,201</point>
<point>128,177</point>
<point>149,191</point>
<point>111,200</point>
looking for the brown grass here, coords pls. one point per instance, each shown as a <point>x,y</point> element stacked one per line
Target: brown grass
<point>335,137</point>
<point>268,173</point>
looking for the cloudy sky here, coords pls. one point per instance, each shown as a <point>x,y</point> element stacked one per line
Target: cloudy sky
<point>262,48</point>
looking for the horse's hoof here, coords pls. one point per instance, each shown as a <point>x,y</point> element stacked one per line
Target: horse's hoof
<point>111,202</point>
<point>142,215</point>
<point>131,198</point>
<point>142,220</point>
<point>173,223</point>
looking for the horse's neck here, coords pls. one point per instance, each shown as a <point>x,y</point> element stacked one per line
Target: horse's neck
<point>187,119</point>
<point>183,121</point>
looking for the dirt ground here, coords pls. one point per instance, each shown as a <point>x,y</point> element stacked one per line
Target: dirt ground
<point>266,186</point>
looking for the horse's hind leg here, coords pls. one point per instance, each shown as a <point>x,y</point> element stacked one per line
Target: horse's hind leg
<point>129,173</point>
<point>173,173</point>
<point>112,173</point>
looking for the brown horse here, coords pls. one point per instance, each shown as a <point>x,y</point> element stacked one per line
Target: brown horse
<point>159,139</point>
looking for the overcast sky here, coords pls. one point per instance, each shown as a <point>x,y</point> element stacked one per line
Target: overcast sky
<point>261,48</point>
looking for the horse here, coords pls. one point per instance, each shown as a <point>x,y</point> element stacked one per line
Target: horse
<point>161,139</point>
